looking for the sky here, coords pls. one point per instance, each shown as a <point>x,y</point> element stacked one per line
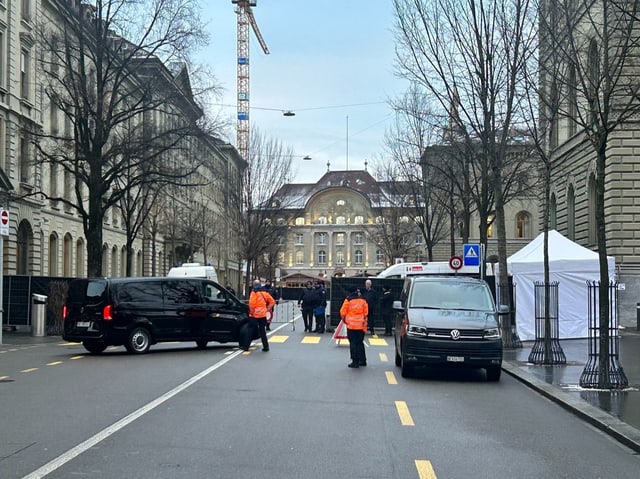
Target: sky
<point>331,62</point>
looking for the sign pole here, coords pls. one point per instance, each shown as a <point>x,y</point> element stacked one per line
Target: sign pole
<point>1,284</point>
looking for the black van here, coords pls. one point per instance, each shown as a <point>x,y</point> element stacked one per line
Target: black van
<point>139,312</point>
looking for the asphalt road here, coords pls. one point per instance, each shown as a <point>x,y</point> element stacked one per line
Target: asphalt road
<point>296,411</point>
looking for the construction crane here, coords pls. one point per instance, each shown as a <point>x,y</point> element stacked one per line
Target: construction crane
<point>245,17</point>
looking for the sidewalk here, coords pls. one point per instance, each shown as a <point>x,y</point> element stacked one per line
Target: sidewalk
<point>616,413</point>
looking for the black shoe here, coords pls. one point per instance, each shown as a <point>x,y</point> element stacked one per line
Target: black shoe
<point>265,349</point>
<point>268,328</point>
<point>353,365</point>
<point>363,364</point>
<point>306,329</point>
<point>245,349</point>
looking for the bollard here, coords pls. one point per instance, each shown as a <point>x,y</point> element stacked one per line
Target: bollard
<point>38,315</point>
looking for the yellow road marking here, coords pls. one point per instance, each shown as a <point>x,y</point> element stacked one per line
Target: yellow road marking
<point>403,412</point>
<point>2,378</point>
<point>55,363</point>
<point>311,340</point>
<point>77,357</point>
<point>30,370</point>
<point>342,341</point>
<point>391,378</point>
<point>278,339</point>
<point>425,469</point>
<point>383,357</point>
<point>375,341</point>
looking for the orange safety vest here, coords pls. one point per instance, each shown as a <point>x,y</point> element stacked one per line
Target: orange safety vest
<point>260,302</point>
<point>354,312</point>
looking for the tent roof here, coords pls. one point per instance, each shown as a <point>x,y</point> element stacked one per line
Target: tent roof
<point>564,254</point>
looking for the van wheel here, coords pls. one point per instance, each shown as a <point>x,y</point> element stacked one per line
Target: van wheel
<point>202,344</point>
<point>407,370</point>
<point>244,341</point>
<point>94,346</point>
<point>493,373</point>
<point>139,341</point>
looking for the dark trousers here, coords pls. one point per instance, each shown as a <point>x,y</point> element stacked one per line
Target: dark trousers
<point>261,325</point>
<point>307,317</point>
<point>388,323</point>
<point>320,322</point>
<point>356,345</point>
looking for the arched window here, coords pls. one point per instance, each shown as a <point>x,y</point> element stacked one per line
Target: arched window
<point>322,220</point>
<point>571,214</point>
<point>553,212</point>
<point>594,79</point>
<point>79,258</point>
<point>138,271</point>
<point>379,256</point>
<point>340,257</point>
<point>322,257</point>
<point>114,262</point>
<point>24,248</point>
<point>592,197</point>
<point>572,94</point>
<point>66,255</point>
<point>359,219</point>
<point>299,257</point>
<point>123,261</point>
<point>53,254</point>
<point>523,225</point>
<point>299,221</point>
<point>490,221</point>
<point>105,259</point>
<point>359,258</point>
<point>340,220</point>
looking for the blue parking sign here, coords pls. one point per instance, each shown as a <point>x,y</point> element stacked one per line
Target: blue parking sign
<point>471,254</point>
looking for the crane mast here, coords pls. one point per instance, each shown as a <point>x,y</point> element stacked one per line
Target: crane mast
<point>245,18</point>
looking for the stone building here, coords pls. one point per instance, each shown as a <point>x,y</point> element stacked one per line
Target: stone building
<point>46,237</point>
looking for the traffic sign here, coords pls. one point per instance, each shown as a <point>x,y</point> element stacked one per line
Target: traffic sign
<point>471,254</point>
<point>4,222</point>
<point>455,262</point>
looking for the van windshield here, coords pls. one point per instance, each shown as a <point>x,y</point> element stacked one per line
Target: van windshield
<point>451,295</point>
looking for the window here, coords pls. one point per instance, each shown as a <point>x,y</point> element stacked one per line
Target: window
<point>66,255</point>
<point>280,240</point>
<point>358,238</point>
<point>299,221</point>
<point>322,238</point>
<point>523,225</point>
<point>340,203</point>
<point>404,219</point>
<point>2,57</point>
<point>594,80</point>
<point>3,151</point>
<point>340,239</point>
<point>359,219</point>
<point>299,257</point>
<point>80,258</point>
<point>592,192</point>
<point>358,257</point>
<point>572,113</point>
<point>53,255</point>
<point>419,238</point>
<point>181,292</point>
<point>339,257</point>
<point>25,161</point>
<point>322,257</point>
<point>379,257</point>
<point>340,220</point>
<point>26,10</point>
<point>322,220</point>
<point>490,220</point>
<point>299,239</point>
<point>571,214</point>
<point>53,118</point>
<point>379,220</point>
<point>25,73</point>
<point>553,213</point>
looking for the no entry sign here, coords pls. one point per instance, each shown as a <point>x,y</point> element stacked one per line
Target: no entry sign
<point>4,222</point>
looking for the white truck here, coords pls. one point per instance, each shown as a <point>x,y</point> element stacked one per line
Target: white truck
<point>193,270</point>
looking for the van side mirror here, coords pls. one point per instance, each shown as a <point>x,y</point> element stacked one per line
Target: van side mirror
<point>397,305</point>
<point>503,309</point>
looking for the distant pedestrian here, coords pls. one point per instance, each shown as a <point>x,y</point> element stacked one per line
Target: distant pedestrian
<point>371,297</point>
<point>354,312</point>
<point>260,303</point>
<point>320,311</point>
<point>386,309</point>
<point>309,299</point>
<point>229,288</point>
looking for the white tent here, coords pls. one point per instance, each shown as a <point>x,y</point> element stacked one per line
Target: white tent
<point>572,266</point>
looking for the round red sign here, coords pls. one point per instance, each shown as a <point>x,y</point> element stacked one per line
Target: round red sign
<point>4,217</point>
<point>455,262</point>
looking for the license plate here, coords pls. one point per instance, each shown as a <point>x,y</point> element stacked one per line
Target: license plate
<point>455,359</point>
<point>83,324</point>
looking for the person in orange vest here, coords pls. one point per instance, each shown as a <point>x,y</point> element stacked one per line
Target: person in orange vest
<point>260,303</point>
<point>354,312</point>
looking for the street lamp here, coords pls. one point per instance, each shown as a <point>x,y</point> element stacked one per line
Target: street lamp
<point>288,113</point>
<point>307,158</point>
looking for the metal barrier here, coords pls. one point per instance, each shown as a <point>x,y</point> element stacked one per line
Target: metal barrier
<point>546,348</point>
<point>285,312</point>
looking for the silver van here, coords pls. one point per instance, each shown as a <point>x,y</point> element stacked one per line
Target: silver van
<point>447,321</point>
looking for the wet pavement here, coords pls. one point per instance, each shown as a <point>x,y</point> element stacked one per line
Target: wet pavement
<point>615,412</point>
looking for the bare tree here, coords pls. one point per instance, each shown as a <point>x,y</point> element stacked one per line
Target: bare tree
<point>270,165</point>
<point>105,67</point>
<point>590,50</point>
<point>471,54</point>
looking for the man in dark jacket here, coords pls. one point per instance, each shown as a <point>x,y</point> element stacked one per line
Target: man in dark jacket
<point>309,299</point>
<point>320,310</point>
<point>370,295</point>
<point>386,309</point>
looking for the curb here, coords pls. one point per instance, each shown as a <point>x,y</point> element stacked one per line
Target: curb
<point>614,427</point>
